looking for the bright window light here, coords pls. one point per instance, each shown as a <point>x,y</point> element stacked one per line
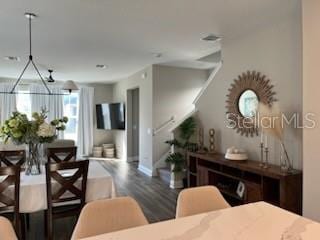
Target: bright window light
<point>24,103</point>
<point>70,110</point>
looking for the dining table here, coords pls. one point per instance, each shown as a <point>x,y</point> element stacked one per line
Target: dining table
<point>255,221</point>
<point>33,192</point>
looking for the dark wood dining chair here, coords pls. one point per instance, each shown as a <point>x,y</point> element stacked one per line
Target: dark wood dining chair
<point>9,195</point>
<point>10,158</point>
<point>59,155</point>
<point>66,191</point>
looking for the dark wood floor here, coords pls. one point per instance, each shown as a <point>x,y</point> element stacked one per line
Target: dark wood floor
<point>156,199</point>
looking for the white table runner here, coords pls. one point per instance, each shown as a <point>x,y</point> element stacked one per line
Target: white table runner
<point>33,195</point>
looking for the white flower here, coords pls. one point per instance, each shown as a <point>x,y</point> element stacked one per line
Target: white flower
<point>46,130</point>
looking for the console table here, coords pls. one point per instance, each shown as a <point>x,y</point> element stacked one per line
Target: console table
<point>270,185</point>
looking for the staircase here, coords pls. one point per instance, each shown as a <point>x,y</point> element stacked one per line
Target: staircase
<point>160,167</point>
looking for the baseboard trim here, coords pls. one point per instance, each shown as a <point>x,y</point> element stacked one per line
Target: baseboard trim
<point>133,159</point>
<point>145,170</point>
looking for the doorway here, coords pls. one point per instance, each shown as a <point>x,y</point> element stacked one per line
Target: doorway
<point>133,128</point>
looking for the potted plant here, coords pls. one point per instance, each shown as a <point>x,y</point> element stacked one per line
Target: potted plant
<point>177,159</point>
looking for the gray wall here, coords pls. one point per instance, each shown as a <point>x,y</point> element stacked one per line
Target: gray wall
<point>311,137</point>
<point>276,52</point>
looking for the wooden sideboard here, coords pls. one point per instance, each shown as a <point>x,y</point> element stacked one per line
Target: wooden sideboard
<point>271,185</point>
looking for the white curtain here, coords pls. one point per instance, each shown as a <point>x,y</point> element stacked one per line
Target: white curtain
<point>7,102</point>
<point>52,103</point>
<point>85,121</point>
<point>38,102</point>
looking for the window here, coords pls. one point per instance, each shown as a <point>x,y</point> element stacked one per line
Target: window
<point>24,103</point>
<point>70,110</point>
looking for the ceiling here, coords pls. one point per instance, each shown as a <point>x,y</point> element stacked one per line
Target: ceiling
<point>73,36</point>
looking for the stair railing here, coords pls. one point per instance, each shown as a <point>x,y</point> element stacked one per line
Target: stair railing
<point>163,125</point>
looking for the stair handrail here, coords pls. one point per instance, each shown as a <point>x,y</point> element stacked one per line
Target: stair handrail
<point>185,116</point>
<point>163,125</point>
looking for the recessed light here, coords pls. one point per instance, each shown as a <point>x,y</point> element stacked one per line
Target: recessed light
<point>12,58</point>
<point>102,66</point>
<point>210,38</point>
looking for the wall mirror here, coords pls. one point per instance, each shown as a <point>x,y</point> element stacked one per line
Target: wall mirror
<point>248,103</point>
<point>244,95</point>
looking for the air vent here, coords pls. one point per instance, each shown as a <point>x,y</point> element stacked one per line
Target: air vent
<point>102,66</point>
<point>12,58</point>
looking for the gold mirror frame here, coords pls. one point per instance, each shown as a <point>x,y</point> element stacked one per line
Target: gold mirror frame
<point>250,80</point>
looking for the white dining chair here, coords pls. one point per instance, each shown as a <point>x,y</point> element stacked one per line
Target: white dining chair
<point>198,200</point>
<point>108,215</point>
<point>6,230</point>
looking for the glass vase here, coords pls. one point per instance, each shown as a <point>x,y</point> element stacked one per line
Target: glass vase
<point>33,159</point>
<point>285,162</point>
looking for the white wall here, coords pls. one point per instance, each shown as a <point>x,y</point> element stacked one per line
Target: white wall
<point>275,51</point>
<point>311,137</point>
<point>174,90</point>
<point>145,105</point>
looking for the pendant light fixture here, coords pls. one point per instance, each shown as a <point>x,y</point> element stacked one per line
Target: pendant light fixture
<point>66,85</point>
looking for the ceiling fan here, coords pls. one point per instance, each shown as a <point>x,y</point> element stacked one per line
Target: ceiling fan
<point>50,79</point>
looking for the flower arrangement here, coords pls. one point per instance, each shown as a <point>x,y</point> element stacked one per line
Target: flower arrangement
<point>20,130</point>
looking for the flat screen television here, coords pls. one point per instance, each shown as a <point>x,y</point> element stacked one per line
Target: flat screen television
<point>110,116</point>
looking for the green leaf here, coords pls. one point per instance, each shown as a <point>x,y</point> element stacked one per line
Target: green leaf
<point>187,128</point>
<point>177,160</point>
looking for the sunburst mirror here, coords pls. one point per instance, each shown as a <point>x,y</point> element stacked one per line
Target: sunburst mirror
<point>244,95</point>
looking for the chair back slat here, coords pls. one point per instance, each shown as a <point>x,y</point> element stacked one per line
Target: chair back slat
<point>58,185</point>
<point>59,155</point>
<point>9,193</point>
<point>10,158</point>
<point>5,199</point>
